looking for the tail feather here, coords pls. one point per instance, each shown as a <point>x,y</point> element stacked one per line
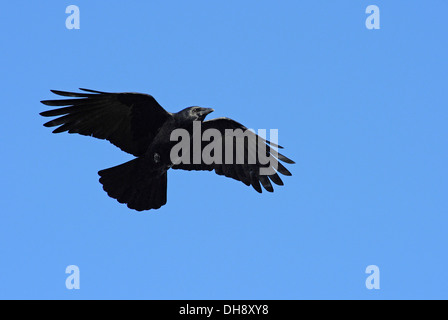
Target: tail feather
<point>136,185</point>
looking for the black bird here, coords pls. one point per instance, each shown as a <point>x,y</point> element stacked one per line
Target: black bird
<point>138,125</point>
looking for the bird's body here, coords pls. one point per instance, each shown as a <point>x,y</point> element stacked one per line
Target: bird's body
<point>159,150</point>
<point>137,124</point>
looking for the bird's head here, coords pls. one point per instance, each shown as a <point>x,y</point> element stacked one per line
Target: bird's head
<point>197,113</point>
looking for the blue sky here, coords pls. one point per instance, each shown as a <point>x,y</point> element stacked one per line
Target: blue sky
<point>362,112</point>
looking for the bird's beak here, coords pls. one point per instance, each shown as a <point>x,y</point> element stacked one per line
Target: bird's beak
<point>207,111</point>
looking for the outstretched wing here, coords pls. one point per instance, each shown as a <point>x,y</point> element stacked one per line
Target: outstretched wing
<point>128,120</point>
<point>245,163</point>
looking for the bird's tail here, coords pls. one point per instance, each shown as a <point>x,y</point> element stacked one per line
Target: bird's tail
<point>135,184</point>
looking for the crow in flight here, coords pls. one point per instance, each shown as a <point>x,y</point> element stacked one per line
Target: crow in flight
<point>138,125</point>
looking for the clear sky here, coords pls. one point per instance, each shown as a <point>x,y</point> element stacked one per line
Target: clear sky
<point>362,112</point>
